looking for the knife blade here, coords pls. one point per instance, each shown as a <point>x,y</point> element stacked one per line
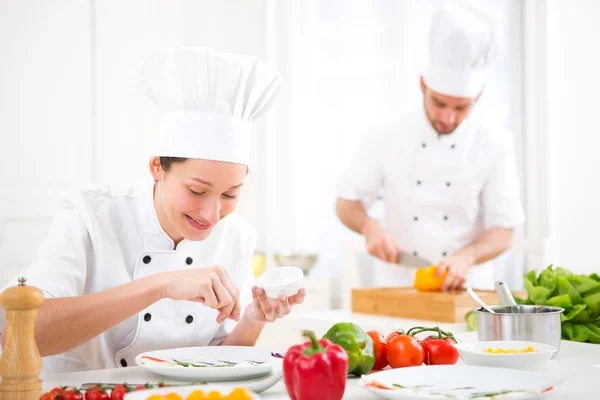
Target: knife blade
<point>410,260</point>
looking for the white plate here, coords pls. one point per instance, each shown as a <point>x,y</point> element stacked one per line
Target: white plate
<point>445,378</point>
<point>184,391</point>
<point>211,354</point>
<point>473,354</point>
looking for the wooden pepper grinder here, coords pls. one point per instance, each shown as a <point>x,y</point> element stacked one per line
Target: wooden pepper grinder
<point>21,364</point>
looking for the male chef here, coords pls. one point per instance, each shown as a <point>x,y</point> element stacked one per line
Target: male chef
<point>449,180</point>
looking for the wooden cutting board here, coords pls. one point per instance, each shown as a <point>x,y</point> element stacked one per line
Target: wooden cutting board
<point>407,302</point>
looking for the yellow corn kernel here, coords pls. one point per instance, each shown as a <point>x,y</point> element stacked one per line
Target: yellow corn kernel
<point>528,349</point>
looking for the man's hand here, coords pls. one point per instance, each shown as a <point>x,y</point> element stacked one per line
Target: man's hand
<point>379,242</point>
<point>458,266</point>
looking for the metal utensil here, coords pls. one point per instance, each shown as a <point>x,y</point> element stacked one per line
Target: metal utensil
<point>540,324</point>
<point>478,300</point>
<point>410,260</point>
<point>506,297</point>
<point>304,261</point>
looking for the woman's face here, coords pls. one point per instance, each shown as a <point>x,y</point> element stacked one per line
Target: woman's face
<point>192,196</point>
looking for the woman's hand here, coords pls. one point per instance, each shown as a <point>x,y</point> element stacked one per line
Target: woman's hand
<point>210,286</point>
<point>264,309</point>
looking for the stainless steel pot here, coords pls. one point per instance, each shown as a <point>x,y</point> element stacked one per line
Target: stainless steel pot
<point>540,324</point>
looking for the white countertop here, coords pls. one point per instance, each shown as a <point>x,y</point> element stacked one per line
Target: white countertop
<point>574,363</point>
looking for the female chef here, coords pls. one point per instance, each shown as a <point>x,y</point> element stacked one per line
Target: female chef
<point>166,262</point>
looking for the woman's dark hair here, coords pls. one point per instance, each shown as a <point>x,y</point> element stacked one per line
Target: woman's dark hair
<point>167,162</point>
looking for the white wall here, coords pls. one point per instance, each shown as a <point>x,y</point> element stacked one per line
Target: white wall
<point>574,134</point>
<point>45,108</point>
<point>70,105</point>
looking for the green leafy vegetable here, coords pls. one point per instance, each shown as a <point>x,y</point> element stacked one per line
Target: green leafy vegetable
<point>578,295</point>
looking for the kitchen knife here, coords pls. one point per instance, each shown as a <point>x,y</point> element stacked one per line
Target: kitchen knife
<point>410,260</point>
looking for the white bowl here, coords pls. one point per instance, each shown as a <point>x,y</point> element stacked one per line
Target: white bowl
<point>473,354</point>
<point>282,281</point>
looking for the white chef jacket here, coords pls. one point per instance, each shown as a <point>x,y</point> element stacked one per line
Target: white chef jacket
<point>102,238</point>
<point>440,191</point>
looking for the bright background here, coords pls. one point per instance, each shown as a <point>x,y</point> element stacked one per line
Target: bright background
<point>71,112</point>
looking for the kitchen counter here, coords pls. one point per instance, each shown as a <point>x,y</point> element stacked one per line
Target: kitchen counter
<point>575,362</point>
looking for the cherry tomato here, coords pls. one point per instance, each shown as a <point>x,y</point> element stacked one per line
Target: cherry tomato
<point>96,394</point>
<point>48,396</point>
<point>404,351</point>
<point>439,351</point>
<point>140,387</point>
<point>393,334</point>
<point>71,395</point>
<point>118,393</point>
<point>57,390</point>
<point>379,349</point>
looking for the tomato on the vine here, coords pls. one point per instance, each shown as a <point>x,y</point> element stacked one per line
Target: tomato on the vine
<point>404,351</point>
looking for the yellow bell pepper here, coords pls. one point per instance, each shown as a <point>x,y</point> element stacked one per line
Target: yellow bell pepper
<point>427,281</point>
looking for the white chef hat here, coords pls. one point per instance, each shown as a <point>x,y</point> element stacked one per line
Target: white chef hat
<point>208,101</point>
<point>463,42</point>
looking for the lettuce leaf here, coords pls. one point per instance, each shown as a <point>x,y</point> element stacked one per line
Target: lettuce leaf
<point>578,295</point>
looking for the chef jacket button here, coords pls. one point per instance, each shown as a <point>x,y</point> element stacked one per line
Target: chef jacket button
<point>416,218</point>
<point>453,146</point>
<point>448,184</point>
<point>189,261</point>
<point>147,317</point>
<point>189,319</point>
<point>147,259</point>
<point>423,144</point>
<point>123,362</point>
<point>415,253</point>
<point>444,254</point>
<point>418,182</point>
<point>445,218</point>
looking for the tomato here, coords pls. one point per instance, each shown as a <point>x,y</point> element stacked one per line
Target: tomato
<point>57,390</point>
<point>96,394</point>
<point>118,393</point>
<point>379,347</point>
<point>141,387</point>
<point>439,351</point>
<point>404,351</point>
<point>48,396</point>
<point>71,395</point>
<point>392,335</point>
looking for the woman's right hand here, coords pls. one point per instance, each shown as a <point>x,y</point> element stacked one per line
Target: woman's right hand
<point>210,286</point>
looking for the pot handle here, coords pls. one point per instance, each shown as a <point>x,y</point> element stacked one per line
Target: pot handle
<point>505,296</point>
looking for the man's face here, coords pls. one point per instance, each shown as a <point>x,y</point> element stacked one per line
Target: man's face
<point>445,113</point>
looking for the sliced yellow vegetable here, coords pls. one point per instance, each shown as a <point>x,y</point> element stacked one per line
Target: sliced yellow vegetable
<point>214,395</point>
<point>196,395</point>
<point>426,279</point>
<point>240,394</point>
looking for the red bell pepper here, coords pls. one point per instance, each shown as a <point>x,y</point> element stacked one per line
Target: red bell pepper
<point>315,370</point>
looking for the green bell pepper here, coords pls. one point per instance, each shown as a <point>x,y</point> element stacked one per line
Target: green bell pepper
<point>357,344</point>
